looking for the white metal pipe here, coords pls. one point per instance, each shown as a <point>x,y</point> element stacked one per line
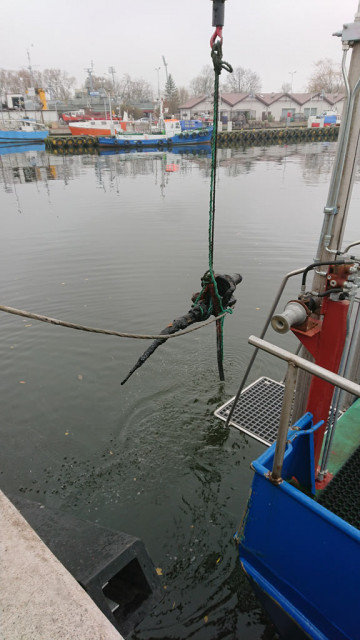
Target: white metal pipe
<point>344,168</point>
<point>284,424</point>
<point>310,367</point>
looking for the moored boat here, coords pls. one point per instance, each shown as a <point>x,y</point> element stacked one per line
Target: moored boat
<point>75,116</point>
<point>23,131</point>
<point>326,119</point>
<point>97,127</point>
<point>81,116</point>
<point>171,134</point>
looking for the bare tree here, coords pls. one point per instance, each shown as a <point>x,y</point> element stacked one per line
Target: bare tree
<point>326,77</point>
<point>183,95</point>
<point>242,81</point>
<point>134,90</point>
<point>27,79</point>
<point>58,83</point>
<point>20,81</point>
<point>204,83</point>
<point>6,82</point>
<point>286,87</point>
<point>100,82</point>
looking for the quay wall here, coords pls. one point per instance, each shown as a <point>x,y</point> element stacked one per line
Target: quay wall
<point>286,135</point>
<point>40,599</point>
<point>60,141</point>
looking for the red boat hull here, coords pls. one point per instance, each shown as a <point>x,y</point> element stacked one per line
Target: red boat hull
<point>96,130</point>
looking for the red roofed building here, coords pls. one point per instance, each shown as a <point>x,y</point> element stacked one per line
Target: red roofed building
<point>263,106</point>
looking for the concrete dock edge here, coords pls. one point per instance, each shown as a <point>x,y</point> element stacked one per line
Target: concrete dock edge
<point>40,600</point>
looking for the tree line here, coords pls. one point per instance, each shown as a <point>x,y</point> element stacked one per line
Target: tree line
<point>326,77</point>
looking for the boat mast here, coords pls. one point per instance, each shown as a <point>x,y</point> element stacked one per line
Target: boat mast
<point>161,123</point>
<point>337,205</point>
<point>322,317</point>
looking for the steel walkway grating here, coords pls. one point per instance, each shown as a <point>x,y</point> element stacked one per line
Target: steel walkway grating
<point>257,411</point>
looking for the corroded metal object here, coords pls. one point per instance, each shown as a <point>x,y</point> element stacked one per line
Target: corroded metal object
<point>206,303</point>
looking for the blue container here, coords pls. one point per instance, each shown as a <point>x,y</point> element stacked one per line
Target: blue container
<point>330,120</point>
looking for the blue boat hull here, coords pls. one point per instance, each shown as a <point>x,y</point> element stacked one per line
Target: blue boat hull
<point>7,149</point>
<point>22,137</point>
<point>297,553</point>
<point>203,149</point>
<point>184,139</point>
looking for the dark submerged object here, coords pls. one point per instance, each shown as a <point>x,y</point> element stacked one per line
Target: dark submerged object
<point>113,567</point>
<point>206,303</point>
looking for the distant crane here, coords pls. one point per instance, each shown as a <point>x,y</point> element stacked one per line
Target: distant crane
<point>112,71</point>
<point>90,80</point>
<point>166,71</point>
<point>30,67</point>
<point>35,91</point>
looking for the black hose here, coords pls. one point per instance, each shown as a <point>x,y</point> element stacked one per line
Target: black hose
<point>320,264</point>
<point>328,292</point>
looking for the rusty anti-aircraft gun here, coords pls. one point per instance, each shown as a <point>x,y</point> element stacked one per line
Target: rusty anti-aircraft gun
<point>212,300</point>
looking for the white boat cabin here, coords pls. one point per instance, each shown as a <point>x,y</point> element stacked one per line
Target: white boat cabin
<point>172,127</point>
<point>31,125</point>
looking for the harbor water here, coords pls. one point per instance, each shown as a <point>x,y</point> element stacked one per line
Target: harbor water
<point>120,241</point>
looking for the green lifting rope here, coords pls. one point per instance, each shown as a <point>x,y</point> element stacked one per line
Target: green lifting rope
<point>209,277</point>
<point>209,300</point>
<point>219,64</point>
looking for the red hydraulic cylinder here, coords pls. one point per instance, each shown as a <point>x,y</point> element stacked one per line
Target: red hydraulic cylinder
<point>326,344</point>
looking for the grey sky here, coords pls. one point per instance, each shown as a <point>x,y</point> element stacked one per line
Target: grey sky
<point>271,38</point>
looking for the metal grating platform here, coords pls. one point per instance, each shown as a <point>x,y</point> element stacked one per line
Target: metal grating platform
<point>257,411</point>
<point>342,496</point>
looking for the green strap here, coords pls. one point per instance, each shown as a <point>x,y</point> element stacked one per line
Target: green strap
<point>219,65</point>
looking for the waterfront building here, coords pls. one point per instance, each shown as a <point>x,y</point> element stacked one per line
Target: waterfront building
<point>238,107</point>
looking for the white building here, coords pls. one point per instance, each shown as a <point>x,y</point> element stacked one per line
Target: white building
<point>263,106</point>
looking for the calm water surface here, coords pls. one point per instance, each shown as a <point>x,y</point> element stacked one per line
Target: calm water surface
<point>121,242</point>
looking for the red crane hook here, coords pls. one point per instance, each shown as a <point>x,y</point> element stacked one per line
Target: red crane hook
<point>217,33</point>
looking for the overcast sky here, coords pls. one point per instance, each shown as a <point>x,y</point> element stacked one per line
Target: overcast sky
<point>273,38</point>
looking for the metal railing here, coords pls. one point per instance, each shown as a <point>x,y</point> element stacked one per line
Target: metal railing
<point>295,362</point>
<point>265,328</point>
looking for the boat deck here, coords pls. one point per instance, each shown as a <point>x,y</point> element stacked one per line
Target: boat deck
<point>342,496</point>
<point>257,414</point>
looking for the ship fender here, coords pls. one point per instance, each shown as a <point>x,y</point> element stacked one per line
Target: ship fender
<point>112,566</point>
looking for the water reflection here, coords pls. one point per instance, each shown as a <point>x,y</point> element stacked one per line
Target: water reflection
<point>120,241</point>
<point>29,163</point>
<point>190,150</point>
<point>22,165</point>
<point>316,159</point>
